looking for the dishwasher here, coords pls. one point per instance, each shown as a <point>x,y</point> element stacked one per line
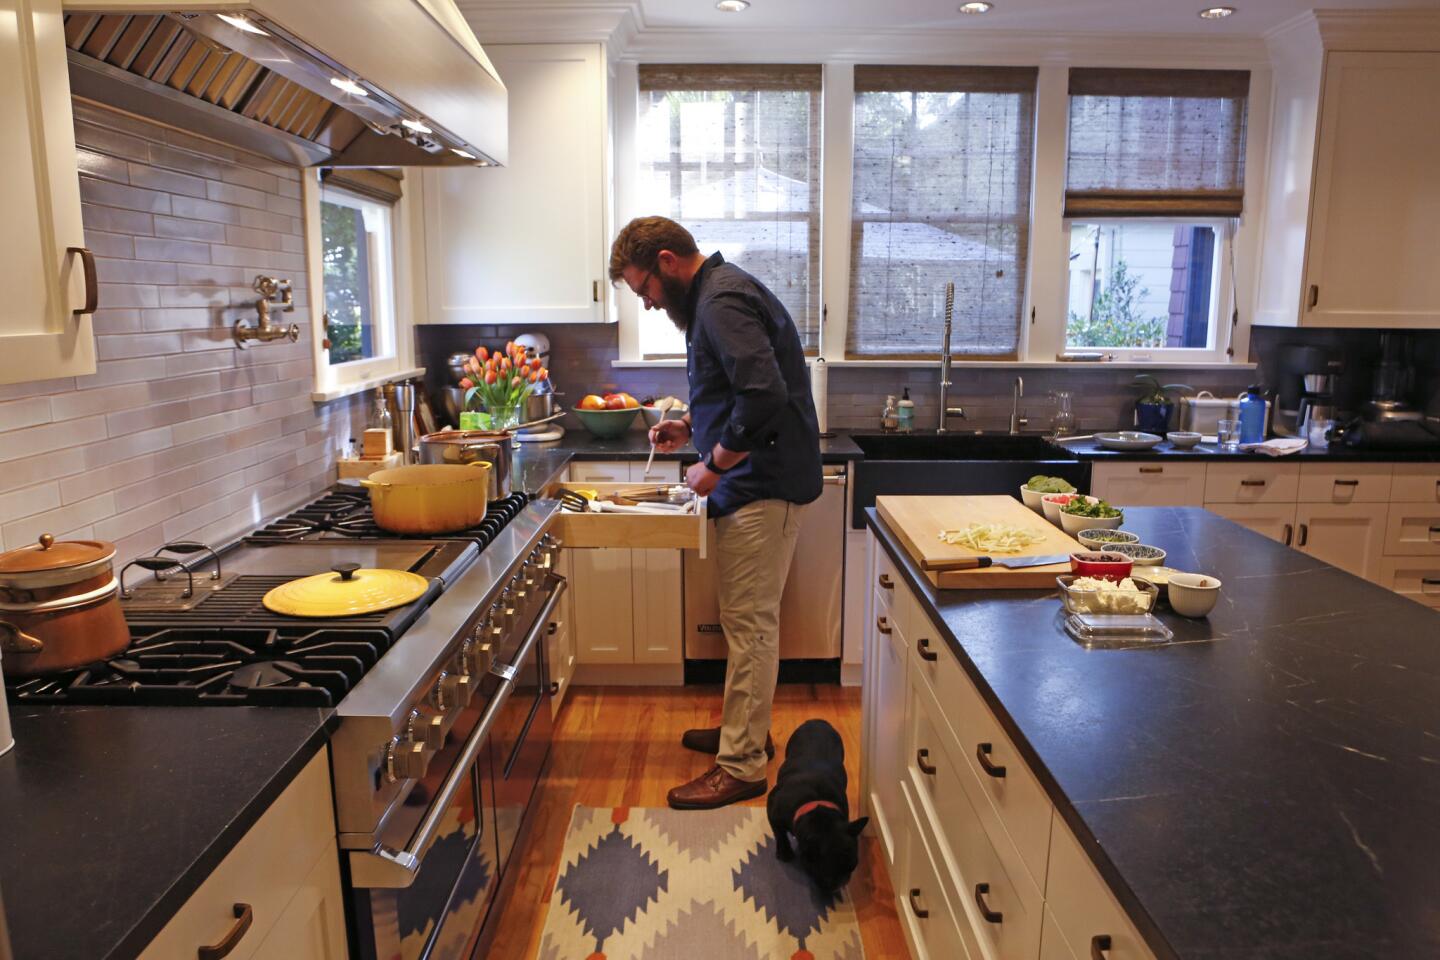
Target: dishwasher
<point>811,606</point>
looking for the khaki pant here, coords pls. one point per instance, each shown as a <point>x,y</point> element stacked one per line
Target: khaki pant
<point>753,547</point>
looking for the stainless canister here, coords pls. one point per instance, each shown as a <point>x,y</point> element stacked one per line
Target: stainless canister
<point>471,446</point>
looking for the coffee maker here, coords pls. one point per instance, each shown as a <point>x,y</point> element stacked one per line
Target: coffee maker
<point>1308,379</point>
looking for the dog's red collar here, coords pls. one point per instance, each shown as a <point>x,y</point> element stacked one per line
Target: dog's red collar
<point>812,805</point>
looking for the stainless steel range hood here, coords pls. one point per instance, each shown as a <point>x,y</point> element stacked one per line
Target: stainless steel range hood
<point>319,82</point>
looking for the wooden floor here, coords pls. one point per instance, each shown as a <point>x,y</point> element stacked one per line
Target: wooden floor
<point>620,746</point>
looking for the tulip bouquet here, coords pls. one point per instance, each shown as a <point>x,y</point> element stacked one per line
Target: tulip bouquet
<point>500,380</point>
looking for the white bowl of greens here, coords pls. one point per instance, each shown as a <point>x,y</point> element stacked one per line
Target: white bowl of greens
<point>1039,485</point>
<point>1089,513</point>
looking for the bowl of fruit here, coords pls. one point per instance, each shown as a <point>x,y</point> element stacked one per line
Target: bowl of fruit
<point>607,416</point>
<point>655,409</point>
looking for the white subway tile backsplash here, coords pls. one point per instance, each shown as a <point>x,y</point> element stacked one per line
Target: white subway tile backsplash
<point>29,441</point>
<point>145,175</point>
<point>15,414</point>
<point>122,196</point>
<point>41,466</point>
<point>206,295</point>
<point>30,500</point>
<point>137,345</point>
<point>59,521</point>
<point>174,251</point>
<point>110,270</point>
<point>183,229</point>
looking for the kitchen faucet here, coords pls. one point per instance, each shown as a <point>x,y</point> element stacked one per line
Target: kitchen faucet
<point>1017,421</point>
<point>275,296</point>
<point>946,411</point>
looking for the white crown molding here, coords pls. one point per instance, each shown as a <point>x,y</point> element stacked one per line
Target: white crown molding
<point>553,21</point>
<point>1391,30</point>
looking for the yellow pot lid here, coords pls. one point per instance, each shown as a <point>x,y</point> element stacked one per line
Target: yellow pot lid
<point>346,591</point>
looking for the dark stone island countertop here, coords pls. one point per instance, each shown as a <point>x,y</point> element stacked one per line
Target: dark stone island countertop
<point>1267,787</point>
<point>113,816</point>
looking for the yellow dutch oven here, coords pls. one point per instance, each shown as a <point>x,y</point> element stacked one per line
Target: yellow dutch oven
<point>425,499</point>
<point>348,591</point>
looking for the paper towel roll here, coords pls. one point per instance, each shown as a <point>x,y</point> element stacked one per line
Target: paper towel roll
<point>820,391</point>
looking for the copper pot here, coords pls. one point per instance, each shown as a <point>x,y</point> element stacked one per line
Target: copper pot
<point>59,606</point>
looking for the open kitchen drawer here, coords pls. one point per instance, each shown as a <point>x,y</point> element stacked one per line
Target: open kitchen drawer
<point>682,531</point>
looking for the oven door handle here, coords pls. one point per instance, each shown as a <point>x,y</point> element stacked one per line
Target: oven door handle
<point>386,868</point>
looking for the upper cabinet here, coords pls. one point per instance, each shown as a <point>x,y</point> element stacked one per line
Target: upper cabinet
<point>526,243</point>
<point>47,275</point>
<point>1353,199</point>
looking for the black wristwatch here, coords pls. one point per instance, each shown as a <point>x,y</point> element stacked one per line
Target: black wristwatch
<point>710,465</point>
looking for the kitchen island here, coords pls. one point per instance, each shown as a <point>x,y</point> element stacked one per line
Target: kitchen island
<point>1266,785</point>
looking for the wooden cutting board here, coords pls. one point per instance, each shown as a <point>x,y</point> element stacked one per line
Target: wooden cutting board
<point>917,522</point>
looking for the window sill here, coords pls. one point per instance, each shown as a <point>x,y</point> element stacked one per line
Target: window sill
<point>360,386</point>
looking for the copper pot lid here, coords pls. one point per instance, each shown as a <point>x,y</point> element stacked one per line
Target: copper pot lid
<point>51,562</point>
<point>347,591</point>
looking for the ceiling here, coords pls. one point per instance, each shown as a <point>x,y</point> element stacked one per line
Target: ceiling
<point>560,20</point>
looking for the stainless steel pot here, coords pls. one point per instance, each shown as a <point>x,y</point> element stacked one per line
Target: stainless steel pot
<point>473,446</point>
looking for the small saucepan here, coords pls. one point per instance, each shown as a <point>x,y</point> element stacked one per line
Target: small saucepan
<point>430,498</point>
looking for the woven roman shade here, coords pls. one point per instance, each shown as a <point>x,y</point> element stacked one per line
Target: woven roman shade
<point>732,151</point>
<point>942,178</point>
<point>381,184</point>
<point>1156,143</point>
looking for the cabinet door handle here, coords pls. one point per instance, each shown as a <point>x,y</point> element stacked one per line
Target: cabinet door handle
<point>922,647</point>
<point>883,626</point>
<point>886,582</point>
<point>92,288</point>
<point>982,753</point>
<point>1152,469</point>
<point>1289,534</point>
<point>1253,483</point>
<point>1304,534</point>
<point>554,687</point>
<point>1314,296</point>
<point>1428,582</point>
<point>1347,483</point>
<point>920,912</point>
<point>991,916</point>
<point>1433,531</point>
<point>1099,946</point>
<point>244,916</point>
<point>921,760</point>
<point>594,291</point>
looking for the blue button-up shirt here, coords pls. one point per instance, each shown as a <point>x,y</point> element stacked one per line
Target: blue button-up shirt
<point>749,390</point>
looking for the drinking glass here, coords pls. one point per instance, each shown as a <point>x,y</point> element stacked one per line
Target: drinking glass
<point>1063,423</point>
<point>1228,433</point>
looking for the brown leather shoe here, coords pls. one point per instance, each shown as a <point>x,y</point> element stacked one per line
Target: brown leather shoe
<point>714,788</point>
<point>707,740</point>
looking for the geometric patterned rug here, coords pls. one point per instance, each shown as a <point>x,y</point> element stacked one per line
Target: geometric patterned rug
<point>645,883</point>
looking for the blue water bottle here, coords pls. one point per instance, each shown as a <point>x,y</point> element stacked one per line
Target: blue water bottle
<point>1252,415</point>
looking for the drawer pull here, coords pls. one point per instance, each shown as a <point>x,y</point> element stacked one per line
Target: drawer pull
<point>982,753</point>
<point>1304,534</point>
<point>920,912</point>
<point>886,582</point>
<point>1253,483</point>
<point>883,626</point>
<point>1289,534</point>
<point>554,687</point>
<point>1347,483</point>
<point>1426,582</point>
<point>1152,469</point>
<point>244,916</point>
<point>1433,531</point>
<point>922,758</point>
<point>991,916</point>
<point>1099,946</point>
<point>926,654</point>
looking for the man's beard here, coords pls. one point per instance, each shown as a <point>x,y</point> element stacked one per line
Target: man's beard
<point>677,302</point>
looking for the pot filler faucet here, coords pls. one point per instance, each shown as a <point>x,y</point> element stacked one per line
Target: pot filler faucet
<point>947,411</point>
<point>275,297</point>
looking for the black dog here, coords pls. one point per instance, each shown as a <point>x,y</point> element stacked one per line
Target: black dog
<point>809,802</point>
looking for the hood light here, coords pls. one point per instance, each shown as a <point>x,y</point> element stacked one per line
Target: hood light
<point>978,6</point>
<point>1216,13</point>
<point>349,86</point>
<point>462,153</point>
<point>415,126</point>
<point>240,23</point>
<point>732,6</point>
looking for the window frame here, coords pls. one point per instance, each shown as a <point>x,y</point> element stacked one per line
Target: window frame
<point>391,321</point>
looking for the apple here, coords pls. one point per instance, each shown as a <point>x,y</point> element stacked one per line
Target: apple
<point>615,403</point>
<point>592,402</point>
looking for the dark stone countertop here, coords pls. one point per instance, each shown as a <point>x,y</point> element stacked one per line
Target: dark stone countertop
<point>115,815</point>
<point>635,446</point>
<point>536,465</point>
<point>1090,450</point>
<point>1264,788</point>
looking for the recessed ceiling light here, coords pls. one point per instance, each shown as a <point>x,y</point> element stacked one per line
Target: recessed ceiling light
<point>462,153</point>
<point>349,86</point>
<point>415,126</point>
<point>1216,13</point>
<point>732,6</point>
<point>976,6</point>
<point>240,23</point>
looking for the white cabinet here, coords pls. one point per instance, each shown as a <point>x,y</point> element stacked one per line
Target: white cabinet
<point>1415,577</point>
<point>277,893</point>
<point>1373,241</point>
<point>1085,911</point>
<point>1273,520</point>
<point>884,696</point>
<point>1348,536</point>
<point>1149,484</point>
<point>527,242</point>
<point>560,645</point>
<point>42,266</point>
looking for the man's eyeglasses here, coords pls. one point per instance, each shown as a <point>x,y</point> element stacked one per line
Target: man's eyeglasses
<point>639,288</point>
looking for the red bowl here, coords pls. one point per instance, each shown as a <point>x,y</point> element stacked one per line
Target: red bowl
<point>1101,565</point>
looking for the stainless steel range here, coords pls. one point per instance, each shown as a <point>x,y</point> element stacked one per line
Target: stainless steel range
<point>443,726</point>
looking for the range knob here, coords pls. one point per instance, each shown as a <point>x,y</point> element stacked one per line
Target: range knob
<point>476,654</point>
<point>405,759</point>
<point>442,694</point>
<point>461,687</point>
<point>428,729</point>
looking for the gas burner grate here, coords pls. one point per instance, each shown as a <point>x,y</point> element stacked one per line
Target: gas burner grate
<point>189,666</point>
<point>346,514</point>
<point>242,601</point>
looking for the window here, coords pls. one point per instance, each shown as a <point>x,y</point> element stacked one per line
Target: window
<point>358,275</point>
<point>1154,179</point>
<point>733,153</point>
<point>941,194</point>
